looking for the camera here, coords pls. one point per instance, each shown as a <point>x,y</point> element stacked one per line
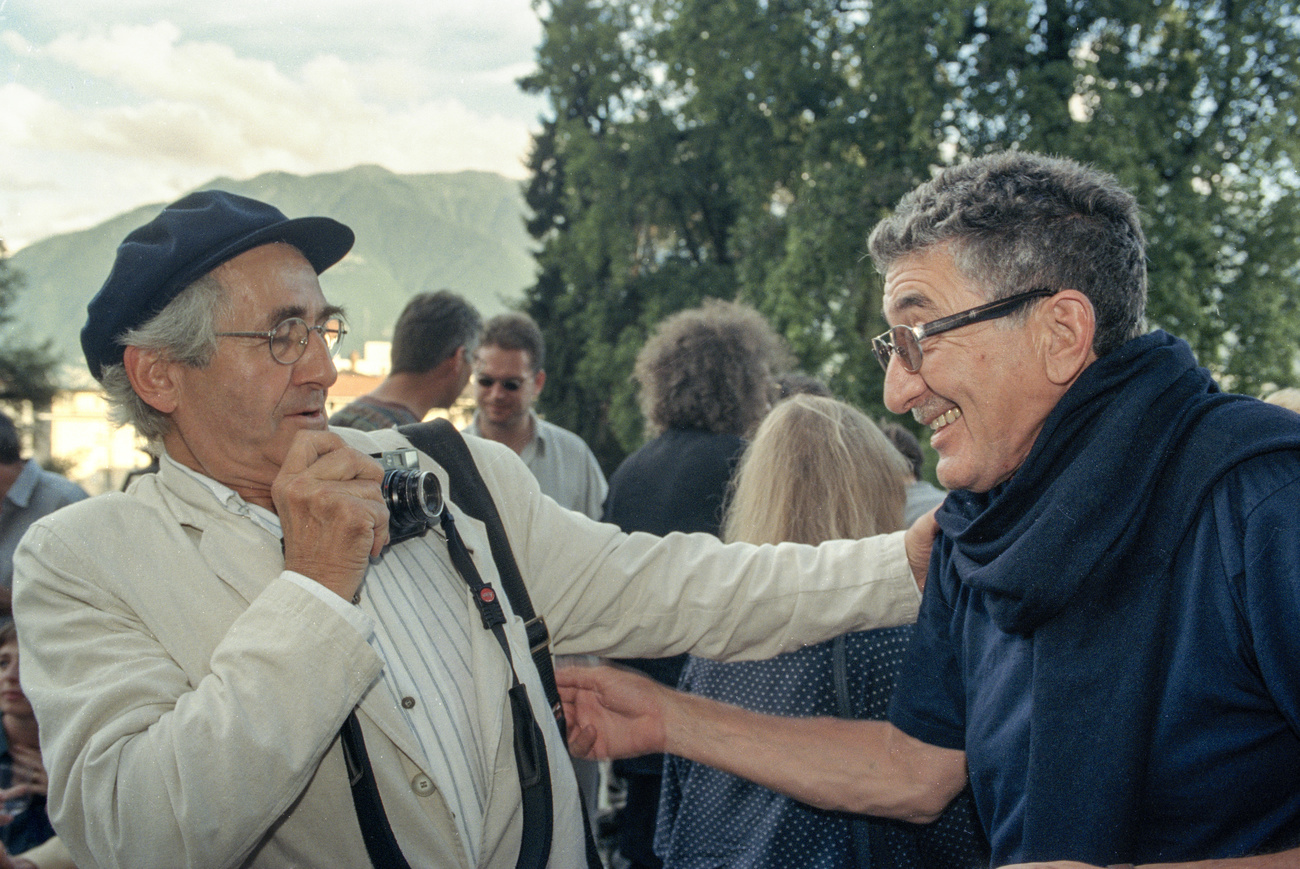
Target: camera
<point>413,497</point>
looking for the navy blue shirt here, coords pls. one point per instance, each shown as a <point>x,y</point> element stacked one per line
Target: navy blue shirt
<point>1222,776</point>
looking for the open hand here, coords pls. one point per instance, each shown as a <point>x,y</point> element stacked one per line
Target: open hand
<point>613,712</point>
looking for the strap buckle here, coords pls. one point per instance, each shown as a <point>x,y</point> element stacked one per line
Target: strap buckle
<point>539,637</point>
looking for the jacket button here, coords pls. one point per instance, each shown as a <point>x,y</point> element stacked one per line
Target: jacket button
<point>408,702</point>
<point>422,785</point>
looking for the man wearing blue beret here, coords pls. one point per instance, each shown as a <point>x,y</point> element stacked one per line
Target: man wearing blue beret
<point>195,646</point>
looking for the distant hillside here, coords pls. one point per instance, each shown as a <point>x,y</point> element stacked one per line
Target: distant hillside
<point>461,231</point>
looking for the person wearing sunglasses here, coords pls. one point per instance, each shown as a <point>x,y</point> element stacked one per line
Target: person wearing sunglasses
<point>509,372</point>
<point>1107,649</point>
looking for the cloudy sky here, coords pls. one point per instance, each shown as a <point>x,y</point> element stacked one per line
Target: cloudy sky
<point>107,106</point>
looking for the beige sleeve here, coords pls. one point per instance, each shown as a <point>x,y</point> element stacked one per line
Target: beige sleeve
<point>604,592</point>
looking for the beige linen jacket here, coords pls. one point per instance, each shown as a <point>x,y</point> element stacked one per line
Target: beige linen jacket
<point>190,696</point>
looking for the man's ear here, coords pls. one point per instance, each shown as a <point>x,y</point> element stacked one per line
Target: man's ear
<point>152,377</point>
<point>1070,324</point>
<point>539,379</point>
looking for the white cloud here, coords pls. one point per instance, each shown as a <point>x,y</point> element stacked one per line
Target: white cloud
<point>103,120</point>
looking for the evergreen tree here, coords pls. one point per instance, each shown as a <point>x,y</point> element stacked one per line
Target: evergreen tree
<point>26,372</point>
<point>744,148</point>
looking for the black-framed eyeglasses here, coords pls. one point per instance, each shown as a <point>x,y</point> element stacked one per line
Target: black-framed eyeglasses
<point>509,384</point>
<point>288,340</point>
<point>905,341</point>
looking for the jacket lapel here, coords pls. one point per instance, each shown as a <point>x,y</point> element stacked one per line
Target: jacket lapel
<point>380,706</point>
<point>245,556</point>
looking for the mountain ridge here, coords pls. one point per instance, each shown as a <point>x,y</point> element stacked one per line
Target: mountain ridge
<point>462,231</point>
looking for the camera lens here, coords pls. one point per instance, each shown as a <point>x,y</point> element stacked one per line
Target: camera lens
<point>414,498</point>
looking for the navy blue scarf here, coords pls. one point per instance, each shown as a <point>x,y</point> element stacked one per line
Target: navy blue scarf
<point>1075,551</point>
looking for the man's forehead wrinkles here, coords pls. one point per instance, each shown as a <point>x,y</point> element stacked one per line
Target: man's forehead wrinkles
<point>903,301</point>
<point>276,316</point>
<point>284,312</point>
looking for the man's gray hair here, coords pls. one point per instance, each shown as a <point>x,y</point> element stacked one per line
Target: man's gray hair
<point>184,332</point>
<point>1016,221</point>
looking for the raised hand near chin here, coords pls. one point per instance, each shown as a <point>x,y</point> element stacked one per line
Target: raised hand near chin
<point>330,507</point>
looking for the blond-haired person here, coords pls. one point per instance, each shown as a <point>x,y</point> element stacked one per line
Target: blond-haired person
<point>816,470</point>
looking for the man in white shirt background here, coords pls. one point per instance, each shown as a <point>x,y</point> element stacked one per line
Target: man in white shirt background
<point>509,372</point>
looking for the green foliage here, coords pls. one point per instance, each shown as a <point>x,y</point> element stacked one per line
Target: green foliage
<point>744,148</point>
<point>26,372</point>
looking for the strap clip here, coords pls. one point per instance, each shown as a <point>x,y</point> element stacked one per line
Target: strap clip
<point>539,637</point>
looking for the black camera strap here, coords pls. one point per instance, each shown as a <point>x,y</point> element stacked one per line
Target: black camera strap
<point>440,440</point>
<point>530,746</point>
<point>381,844</point>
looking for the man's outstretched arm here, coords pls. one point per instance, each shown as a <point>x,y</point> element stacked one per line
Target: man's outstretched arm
<point>869,767</point>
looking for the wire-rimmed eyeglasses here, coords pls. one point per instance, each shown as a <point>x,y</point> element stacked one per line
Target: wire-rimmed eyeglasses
<point>905,341</point>
<point>288,340</point>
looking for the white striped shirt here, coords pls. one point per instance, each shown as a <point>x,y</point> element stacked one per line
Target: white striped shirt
<point>412,611</point>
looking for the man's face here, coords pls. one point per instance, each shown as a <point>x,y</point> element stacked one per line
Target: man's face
<point>982,389</point>
<point>235,418</point>
<point>512,385</point>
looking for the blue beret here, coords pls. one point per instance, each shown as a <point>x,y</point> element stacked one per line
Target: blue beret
<point>190,238</point>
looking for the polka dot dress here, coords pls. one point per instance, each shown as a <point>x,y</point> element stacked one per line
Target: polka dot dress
<point>709,819</point>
